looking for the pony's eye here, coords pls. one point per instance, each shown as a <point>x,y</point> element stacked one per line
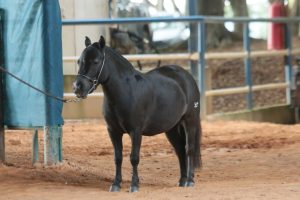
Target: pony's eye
<point>96,61</point>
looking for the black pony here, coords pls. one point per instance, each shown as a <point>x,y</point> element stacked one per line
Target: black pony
<point>165,99</point>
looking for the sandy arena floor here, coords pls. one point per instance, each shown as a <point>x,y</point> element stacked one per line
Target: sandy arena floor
<point>241,160</point>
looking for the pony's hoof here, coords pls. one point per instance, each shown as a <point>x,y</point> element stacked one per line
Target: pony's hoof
<point>134,189</point>
<point>181,183</point>
<point>190,184</point>
<point>114,188</point>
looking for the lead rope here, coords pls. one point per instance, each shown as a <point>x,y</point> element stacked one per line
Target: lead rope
<point>75,100</point>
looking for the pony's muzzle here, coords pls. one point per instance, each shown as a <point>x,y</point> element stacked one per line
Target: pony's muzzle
<point>77,88</point>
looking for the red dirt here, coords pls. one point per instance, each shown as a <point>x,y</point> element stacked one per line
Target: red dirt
<point>241,160</point>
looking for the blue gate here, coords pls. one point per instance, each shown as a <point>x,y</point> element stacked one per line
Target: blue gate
<point>33,52</point>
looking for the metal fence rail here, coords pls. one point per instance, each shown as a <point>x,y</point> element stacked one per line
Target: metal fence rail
<point>201,56</point>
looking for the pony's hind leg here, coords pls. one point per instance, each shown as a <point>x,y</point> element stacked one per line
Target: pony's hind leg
<point>193,135</point>
<point>176,137</point>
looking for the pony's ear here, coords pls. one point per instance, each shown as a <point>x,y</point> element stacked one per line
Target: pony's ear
<point>87,41</point>
<point>102,42</point>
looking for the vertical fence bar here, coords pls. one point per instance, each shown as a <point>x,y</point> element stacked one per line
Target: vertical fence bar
<point>288,62</point>
<point>201,66</point>
<point>192,44</point>
<point>35,146</point>
<point>52,145</point>
<point>247,61</point>
<point>2,133</point>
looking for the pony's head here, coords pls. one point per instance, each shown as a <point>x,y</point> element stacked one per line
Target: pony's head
<point>91,71</point>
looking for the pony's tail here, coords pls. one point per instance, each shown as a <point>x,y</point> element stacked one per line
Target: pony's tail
<point>197,145</point>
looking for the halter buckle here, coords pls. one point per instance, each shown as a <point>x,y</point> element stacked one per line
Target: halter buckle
<point>95,82</point>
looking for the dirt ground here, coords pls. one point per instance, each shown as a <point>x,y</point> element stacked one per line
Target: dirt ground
<point>241,160</point>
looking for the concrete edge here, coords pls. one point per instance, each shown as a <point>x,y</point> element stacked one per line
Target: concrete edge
<point>281,114</point>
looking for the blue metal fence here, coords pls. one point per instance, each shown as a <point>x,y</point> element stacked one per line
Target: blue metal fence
<point>247,61</point>
<point>201,22</point>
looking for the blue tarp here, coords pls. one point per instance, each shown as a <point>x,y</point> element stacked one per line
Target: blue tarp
<point>33,52</point>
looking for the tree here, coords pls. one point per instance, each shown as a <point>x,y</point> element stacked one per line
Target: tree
<point>294,12</point>
<point>240,9</point>
<point>217,33</point>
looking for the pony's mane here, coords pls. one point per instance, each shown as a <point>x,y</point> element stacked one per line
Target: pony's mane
<point>118,55</point>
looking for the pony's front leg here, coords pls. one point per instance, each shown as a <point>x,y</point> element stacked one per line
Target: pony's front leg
<point>136,140</point>
<point>116,138</point>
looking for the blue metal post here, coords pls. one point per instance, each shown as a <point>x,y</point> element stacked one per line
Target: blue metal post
<point>2,131</point>
<point>52,144</point>
<point>247,61</point>
<point>201,66</point>
<point>288,62</point>
<point>193,38</point>
<point>35,146</point>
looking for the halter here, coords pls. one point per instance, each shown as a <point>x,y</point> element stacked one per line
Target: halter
<point>94,81</point>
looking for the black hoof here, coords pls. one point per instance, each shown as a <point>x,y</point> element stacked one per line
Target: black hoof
<point>114,188</point>
<point>134,189</point>
<point>190,184</point>
<point>181,184</point>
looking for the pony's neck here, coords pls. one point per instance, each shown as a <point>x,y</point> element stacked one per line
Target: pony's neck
<point>120,71</point>
<point>121,66</point>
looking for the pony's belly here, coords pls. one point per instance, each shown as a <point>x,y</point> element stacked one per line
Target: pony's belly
<point>166,115</point>
<point>154,132</point>
<point>161,125</point>
<point>157,130</point>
